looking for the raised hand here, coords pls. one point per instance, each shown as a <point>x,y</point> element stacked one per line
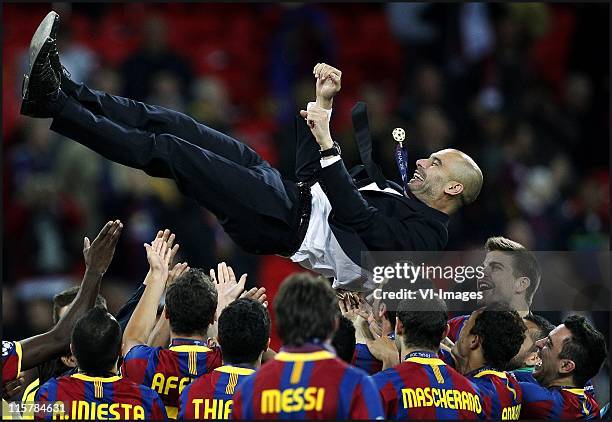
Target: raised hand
<point>176,272</point>
<point>258,294</point>
<point>348,305</point>
<point>227,287</point>
<point>159,255</point>
<point>328,83</point>
<point>384,349</point>
<point>318,122</point>
<point>99,253</point>
<point>364,310</point>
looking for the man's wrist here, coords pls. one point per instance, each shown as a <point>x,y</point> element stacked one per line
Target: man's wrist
<point>91,272</point>
<point>326,143</point>
<point>325,103</point>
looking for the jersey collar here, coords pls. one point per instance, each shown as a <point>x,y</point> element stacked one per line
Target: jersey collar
<point>305,353</point>
<point>424,358</point>
<point>486,370</point>
<point>233,369</point>
<point>84,377</point>
<point>186,341</point>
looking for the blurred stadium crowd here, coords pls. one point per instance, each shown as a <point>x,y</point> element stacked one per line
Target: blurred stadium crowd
<point>523,88</point>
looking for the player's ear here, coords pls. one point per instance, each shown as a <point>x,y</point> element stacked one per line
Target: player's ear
<point>382,309</point>
<point>446,331</point>
<point>453,188</point>
<point>399,327</point>
<point>522,284</point>
<point>69,361</point>
<point>475,342</point>
<point>566,366</point>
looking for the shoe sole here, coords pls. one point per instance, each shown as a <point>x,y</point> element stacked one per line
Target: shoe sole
<point>47,27</point>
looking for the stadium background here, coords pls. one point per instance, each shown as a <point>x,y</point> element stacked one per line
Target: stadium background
<point>523,88</point>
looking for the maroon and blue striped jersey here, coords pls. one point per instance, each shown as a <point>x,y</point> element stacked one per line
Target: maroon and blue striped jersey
<point>11,360</point>
<point>211,395</point>
<point>500,392</point>
<point>98,398</point>
<point>307,383</point>
<point>526,375</point>
<point>424,387</point>
<point>363,359</point>
<point>169,371</point>
<point>455,325</point>
<point>557,403</point>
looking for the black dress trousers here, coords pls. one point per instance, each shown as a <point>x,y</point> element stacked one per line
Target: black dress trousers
<point>257,208</point>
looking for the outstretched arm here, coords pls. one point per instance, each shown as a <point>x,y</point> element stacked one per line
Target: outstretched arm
<point>98,256</point>
<point>142,321</point>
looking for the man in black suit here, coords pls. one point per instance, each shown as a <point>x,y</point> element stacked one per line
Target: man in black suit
<point>323,221</point>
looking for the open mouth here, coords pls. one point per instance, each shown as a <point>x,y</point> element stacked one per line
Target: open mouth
<point>484,285</point>
<point>417,177</point>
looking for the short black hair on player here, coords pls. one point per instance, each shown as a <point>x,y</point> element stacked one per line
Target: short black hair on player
<point>586,348</point>
<point>65,298</point>
<point>396,285</point>
<point>191,302</point>
<point>502,332</point>
<point>344,339</point>
<point>544,326</point>
<point>96,342</point>
<point>424,322</point>
<point>306,309</point>
<point>244,330</point>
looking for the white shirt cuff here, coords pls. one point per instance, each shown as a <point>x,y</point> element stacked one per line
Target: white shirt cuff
<point>310,104</point>
<point>329,161</point>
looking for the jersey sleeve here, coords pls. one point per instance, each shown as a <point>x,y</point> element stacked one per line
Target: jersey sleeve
<point>386,392</point>
<point>11,360</point>
<point>44,395</point>
<point>135,362</point>
<point>239,407</point>
<point>366,403</point>
<point>183,408</point>
<point>158,410</point>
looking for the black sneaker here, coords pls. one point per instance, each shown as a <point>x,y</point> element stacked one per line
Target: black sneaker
<point>40,85</point>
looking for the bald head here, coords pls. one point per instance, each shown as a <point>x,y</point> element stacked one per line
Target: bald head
<point>446,180</point>
<point>466,171</point>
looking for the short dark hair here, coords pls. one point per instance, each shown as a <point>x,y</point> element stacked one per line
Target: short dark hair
<point>66,297</point>
<point>502,332</point>
<point>306,309</point>
<point>586,347</point>
<point>524,262</point>
<point>424,322</point>
<point>96,341</point>
<point>344,339</point>
<point>544,326</point>
<point>244,330</point>
<point>191,302</point>
<point>397,285</point>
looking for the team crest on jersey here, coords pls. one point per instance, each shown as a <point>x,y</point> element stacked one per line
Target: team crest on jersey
<point>6,347</point>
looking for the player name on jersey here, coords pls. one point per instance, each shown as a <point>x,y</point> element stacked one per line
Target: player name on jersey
<point>212,408</point>
<point>292,400</point>
<point>164,385</point>
<point>84,410</point>
<point>441,398</point>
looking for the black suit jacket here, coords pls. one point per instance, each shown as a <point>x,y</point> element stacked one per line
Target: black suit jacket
<point>369,220</point>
